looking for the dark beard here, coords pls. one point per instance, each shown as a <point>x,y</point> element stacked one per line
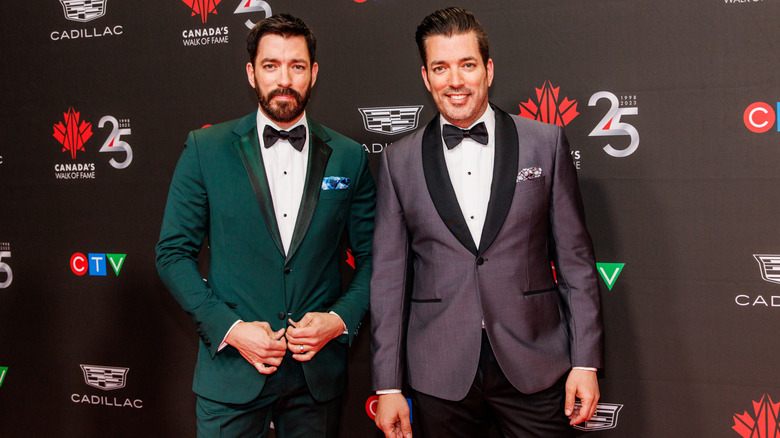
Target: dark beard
<point>283,112</point>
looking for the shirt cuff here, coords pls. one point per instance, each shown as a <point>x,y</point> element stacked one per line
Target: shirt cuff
<point>585,368</point>
<point>225,344</point>
<point>388,391</point>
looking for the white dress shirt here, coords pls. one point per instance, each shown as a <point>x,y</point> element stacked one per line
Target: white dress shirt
<point>470,166</point>
<point>285,169</point>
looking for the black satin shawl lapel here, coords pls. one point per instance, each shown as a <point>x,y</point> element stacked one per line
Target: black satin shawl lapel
<point>502,189</point>
<point>437,178</point>
<point>248,148</point>
<point>318,160</point>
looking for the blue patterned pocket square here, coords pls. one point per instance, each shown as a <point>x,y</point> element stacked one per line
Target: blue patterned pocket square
<point>529,173</point>
<point>335,183</point>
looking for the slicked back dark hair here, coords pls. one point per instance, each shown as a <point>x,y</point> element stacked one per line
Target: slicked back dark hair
<point>449,22</point>
<point>284,25</point>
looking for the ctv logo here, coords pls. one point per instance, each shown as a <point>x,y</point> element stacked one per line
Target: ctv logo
<point>96,264</point>
<point>609,272</point>
<point>759,117</point>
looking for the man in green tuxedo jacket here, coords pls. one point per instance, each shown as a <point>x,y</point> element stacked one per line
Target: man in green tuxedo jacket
<point>274,192</point>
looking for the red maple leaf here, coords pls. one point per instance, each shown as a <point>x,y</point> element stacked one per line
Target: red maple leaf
<point>350,258</point>
<point>547,108</point>
<point>765,424</point>
<point>72,134</point>
<point>203,7</point>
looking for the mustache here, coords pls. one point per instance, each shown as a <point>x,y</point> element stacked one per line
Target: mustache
<point>457,90</point>
<point>284,92</point>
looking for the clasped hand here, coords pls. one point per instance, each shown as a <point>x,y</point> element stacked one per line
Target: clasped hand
<point>265,348</point>
<point>307,337</point>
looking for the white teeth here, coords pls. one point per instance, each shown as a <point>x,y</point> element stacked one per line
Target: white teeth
<point>458,97</point>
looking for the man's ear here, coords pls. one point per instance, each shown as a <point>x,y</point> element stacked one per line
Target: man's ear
<point>250,74</point>
<point>314,69</point>
<point>425,78</point>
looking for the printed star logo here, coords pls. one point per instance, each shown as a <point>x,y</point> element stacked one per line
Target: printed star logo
<point>74,133</point>
<point>765,422</point>
<point>203,8</point>
<point>548,109</point>
<point>610,272</point>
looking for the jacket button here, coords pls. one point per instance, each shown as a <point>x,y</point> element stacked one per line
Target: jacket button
<point>281,315</point>
<point>287,270</point>
<point>480,261</point>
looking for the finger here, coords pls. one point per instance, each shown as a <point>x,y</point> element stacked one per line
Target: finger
<point>307,355</point>
<point>306,320</point>
<point>589,407</point>
<point>263,369</point>
<point>387,427</point>
<point>578,417</point>
<point>275,334</point>
<point>406,425</point>
<point>568,405</point>
<point>272,360</point>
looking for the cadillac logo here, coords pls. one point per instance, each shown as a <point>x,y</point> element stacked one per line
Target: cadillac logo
<point>83,10</point>
<point>391,120</point>
<point>770,267</point>
<point>105,378</point>
<point>606,417</point>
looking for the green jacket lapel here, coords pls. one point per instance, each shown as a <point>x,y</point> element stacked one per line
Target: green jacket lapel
<point>319,153</point>
<point>248,147</point>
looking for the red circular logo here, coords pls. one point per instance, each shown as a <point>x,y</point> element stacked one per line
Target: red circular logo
<point>759,117</point>
<point>78,264</point>
<point>371,402</point>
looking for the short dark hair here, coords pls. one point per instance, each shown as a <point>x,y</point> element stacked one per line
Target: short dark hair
<point>449,22</point>
<point>284,25</point>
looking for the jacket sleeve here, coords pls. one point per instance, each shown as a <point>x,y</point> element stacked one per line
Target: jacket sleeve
<point>575,265</point>
<point>389,311</point>
<point>353,304</point>
<point>185,224</point>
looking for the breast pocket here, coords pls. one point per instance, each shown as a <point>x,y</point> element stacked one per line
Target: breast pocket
<point>531,184</point>
<point>333,195</point>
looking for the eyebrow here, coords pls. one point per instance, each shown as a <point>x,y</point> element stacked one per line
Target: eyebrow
<point>467,58</point>
<point>294,61</point>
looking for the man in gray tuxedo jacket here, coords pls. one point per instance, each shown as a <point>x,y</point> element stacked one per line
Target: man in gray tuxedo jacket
<point>471,211</point>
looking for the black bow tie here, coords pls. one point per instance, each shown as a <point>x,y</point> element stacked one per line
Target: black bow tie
<point>296,136</point>
<point>454,135</point>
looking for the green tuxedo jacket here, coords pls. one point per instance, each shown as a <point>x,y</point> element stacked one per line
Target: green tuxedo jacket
<point>220,190</point>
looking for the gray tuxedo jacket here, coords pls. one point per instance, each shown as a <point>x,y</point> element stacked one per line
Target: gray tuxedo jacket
<point>431,286</point>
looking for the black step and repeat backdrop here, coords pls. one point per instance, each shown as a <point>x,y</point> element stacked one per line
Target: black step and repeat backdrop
<point>671,108</point>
